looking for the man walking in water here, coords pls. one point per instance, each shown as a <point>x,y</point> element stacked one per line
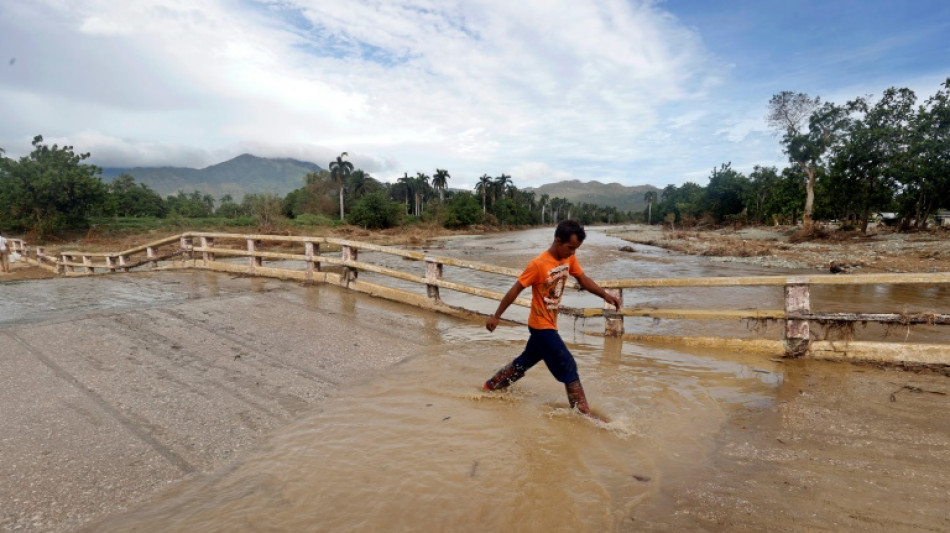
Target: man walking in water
<point>547,274</point>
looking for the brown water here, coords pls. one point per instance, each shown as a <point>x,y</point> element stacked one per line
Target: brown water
<point>423,449</point>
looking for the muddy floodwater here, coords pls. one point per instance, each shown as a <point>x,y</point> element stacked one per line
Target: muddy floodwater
<point>699,439</point>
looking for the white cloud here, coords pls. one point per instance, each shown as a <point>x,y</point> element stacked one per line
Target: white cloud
<point>613,90</point>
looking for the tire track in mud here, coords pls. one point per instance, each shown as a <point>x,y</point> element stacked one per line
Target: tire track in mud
<point>129,424</point>
<point>241,342</point>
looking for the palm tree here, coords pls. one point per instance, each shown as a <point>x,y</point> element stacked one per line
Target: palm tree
<point>421,184</point>
<point>544,203</point>
<point>407,183</point>
<point>440,181</point>
<point>340,169</point>
<point>501,185</point>
<point>650,197</point>
<point>360,184</point>
<point>483,186</point>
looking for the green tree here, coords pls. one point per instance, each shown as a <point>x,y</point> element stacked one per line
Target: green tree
<point>126,198</point>
<point>500,186</point>
<point>359,184</point>
<point>725,194</point>
<point>809,129</point>
<point>375,211</point>
<point>462,211</point>
<point>340,169</point>
<point>49,190</point>
<point>265,208</point>
<point>870,157</point>
<point>925,176</point>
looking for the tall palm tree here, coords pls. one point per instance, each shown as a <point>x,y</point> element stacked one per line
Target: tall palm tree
<point>650,197</point>
<point>421,182</point>
<point>545,198</point>
<point>440,181</point>
<point>340,169</point>
<point>360,184</point>
<point>407,182</point>
<point>501,185</point>
<point>483,186</point>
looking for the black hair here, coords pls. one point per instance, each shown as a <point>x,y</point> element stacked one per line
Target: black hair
<point>567,228</point>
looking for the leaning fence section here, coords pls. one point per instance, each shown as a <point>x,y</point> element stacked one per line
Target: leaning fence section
<point>341,261</point>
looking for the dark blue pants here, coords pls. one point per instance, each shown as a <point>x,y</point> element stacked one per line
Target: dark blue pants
<point>546,345</point>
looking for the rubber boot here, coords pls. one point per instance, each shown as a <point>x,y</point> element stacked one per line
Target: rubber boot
<point>577,398</point>
<point>504,377</point>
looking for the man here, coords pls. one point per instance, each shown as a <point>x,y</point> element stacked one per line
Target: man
<point>547,275</point>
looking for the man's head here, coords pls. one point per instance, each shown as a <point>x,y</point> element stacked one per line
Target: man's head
<point>567,239</point>
<point>570,227</point>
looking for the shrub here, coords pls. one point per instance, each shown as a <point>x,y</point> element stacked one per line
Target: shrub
<point>375,211</point>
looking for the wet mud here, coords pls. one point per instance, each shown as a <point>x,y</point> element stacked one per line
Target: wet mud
<point>200,402</point>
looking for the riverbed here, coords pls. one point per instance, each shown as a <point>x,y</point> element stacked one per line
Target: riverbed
<point>700,440</point>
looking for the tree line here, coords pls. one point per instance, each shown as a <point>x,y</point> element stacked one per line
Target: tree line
<point>847,162</point>
<point>52,190</point>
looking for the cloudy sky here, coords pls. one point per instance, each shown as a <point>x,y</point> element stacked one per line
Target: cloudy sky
<point>629,91</point>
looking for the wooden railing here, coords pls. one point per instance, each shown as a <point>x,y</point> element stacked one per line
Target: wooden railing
<point>337,261</point>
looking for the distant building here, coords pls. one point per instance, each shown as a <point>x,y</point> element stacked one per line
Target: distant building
<point>943,217</point>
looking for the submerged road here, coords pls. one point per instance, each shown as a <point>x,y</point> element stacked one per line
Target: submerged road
<point>105,400</point>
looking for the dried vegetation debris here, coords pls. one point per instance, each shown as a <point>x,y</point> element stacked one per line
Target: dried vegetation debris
<point>822,250</point>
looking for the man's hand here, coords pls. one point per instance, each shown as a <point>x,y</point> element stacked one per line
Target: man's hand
<point>492,323</point>
<point>613,300</point>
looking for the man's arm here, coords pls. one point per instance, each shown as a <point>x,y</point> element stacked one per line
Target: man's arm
<point>510,297</point>
<point>592,287</point>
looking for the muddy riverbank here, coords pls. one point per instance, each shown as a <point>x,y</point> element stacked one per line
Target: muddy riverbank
<point>777,247</point>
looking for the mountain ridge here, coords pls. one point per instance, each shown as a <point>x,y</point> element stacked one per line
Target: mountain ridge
<point>622,197</point>
<point>238,176</point>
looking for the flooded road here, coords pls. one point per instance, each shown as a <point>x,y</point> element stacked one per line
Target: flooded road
<point>700,440</point>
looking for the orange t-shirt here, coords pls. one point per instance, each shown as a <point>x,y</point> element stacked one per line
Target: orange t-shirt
<point>547,276</point>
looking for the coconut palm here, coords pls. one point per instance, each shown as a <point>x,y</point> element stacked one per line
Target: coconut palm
<point>440,181</point>
<point>340,169</point>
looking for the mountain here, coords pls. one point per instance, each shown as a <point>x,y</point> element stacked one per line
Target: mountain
<point>622,197</point>
<point>245,174</point>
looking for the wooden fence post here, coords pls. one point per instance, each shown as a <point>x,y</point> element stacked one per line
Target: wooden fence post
<point>349,253</point>
<point>613,319</point>
<point>87,265</point>
<point>207,242</point>
<point>433,274</point>
<point>124,263</point>
<point>797,304</point>
<point>150,254</point>
<point>61,267</point>
<point>110,264</point>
